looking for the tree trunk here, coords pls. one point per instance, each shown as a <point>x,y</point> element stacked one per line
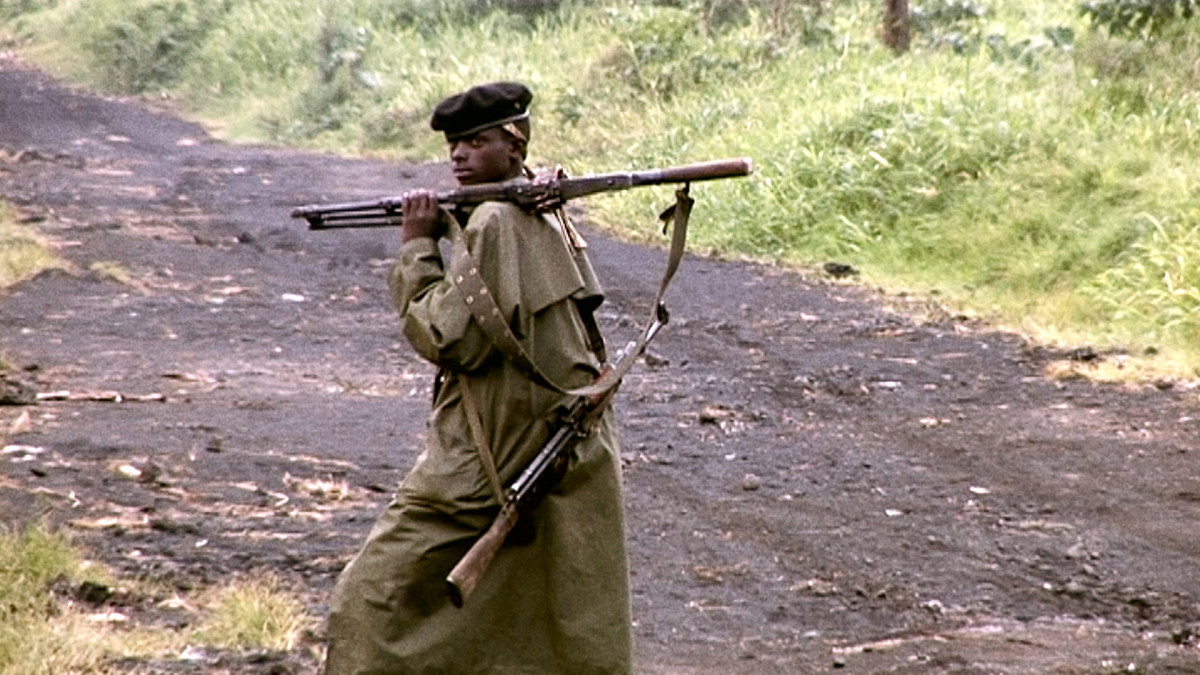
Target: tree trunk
<point>896,33</point>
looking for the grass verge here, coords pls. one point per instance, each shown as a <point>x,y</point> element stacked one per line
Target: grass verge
<point>46,628</point>
<point>1016,164</point>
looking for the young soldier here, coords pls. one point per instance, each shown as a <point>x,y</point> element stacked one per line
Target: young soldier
<point>556,598</point>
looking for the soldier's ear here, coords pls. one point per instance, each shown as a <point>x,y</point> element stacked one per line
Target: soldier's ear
<point>517,148</point>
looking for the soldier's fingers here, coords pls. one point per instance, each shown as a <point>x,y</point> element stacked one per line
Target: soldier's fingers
<point>420,199</point>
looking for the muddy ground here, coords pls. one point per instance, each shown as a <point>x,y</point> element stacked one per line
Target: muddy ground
<point>819,477</point>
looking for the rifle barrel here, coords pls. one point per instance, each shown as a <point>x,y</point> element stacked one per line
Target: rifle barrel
<point>386,211</point>
<point>691,173</point>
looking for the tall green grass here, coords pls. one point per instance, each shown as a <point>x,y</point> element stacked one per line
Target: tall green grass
<point>1015,163</point>
<point>36,636</point>
<point>45,631</point>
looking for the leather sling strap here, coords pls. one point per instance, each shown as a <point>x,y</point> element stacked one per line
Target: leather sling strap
<point>470,284</point>
<point>475,421</point>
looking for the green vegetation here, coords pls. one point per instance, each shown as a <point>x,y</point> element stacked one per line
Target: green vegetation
<point>22,253</point>
<point>1142,18</point>
<point>30,560</point>
<point>45,631</point>
<point>257,611</point>
<point>1032,163</point>
<point>113,271</point>
<point>37,635</point>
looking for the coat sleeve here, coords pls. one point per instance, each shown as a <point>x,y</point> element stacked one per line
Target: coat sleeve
<point>433,316</point>
<point>522,259</point>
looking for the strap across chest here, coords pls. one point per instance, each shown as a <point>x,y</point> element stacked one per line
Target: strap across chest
<point>464,272</point>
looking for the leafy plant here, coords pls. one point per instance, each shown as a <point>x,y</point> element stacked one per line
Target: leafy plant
<point>1137,18</point>
<point>662,51</point>
<point>145,45</point>
<point>954,23</point>
<point>14,8</point>
<point>962,26</point>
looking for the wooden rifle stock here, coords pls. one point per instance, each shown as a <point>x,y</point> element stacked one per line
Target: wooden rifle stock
<point>465,576</point>
<point>386,211</point>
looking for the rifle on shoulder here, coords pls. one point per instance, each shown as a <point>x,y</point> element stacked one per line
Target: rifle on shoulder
<point>386,211</point>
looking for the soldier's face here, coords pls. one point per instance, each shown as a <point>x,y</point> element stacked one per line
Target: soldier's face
<point>489,156</point>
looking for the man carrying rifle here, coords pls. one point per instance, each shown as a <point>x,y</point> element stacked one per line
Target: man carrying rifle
<point>556,597</point>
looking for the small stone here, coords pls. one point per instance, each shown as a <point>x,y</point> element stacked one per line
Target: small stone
<point>93,593</point>
<point>655,361</point>
<point>750,482</point>
<point>22,425</point>
<point>129,471</point>
<point>839,270</point>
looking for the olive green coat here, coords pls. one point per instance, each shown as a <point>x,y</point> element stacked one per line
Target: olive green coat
<point>556,599</point>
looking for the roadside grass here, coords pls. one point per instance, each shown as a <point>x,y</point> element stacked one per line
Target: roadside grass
<point>22,252</point>
<point>1016,165</point>
<point>113,271</point>
<point>256,611</point>
<point>44,630</point>
<point>22,255</point>
<point>39,633</point>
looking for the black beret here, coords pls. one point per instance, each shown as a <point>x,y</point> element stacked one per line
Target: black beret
<point>481,107</point>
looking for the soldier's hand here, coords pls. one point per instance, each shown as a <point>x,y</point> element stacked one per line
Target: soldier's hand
<point>421,215</point>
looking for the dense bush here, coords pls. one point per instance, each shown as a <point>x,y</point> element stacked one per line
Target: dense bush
<point>1137,18</point>
<point>146,46</point>
<point>14,8</point>
<point>963,27</point>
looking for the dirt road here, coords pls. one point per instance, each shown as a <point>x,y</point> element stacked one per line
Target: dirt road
<point>818,477</point>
